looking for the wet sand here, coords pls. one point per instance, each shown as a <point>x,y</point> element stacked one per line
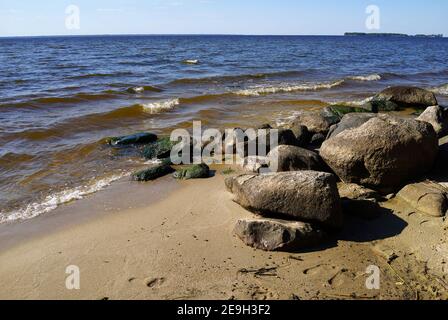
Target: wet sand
<point>133,242</point>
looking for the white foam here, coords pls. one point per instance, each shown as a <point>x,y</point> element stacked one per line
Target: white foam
<point>191,61</point>
<point>370,77</point>
<point>160,106</point>
<point>354,103</point>
<point>51,202</point>
<point>261,90</point>
<point>443,90</point>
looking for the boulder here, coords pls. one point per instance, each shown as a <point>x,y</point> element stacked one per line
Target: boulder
<point>350,121</point>
<point>253,164</point>
<point>376,106</point>
<point>426,197</point>
<point>383,153</point>
<point>317,139</point>
<point>303,136</point>
<point>198,171</point>
<point>290,158</point>
<point>277,235</point>
<point>356,192</point>
<point>437,117</point>
<point>359,201</point>
<point>301,195</point>
<point>440,169</point>
<point>405,96</point>
<point>316,122</point>
<point>285,137</point>
<point>138,138</point>
<point>153,173</point>
<point>161,149</point>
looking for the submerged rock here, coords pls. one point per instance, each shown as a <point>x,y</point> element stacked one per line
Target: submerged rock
<point>437,117</point>
<point>198,171</point>
<point>153,173</point>
<point>138,138</point>
<point>426,197</point>
<point>405,96</point>
<point>301,195</point>
<point>383,154</point>
<point>135,90</point>
<point>290,158</point>
<point>277,235</point>
<point>160,149</point>
<point>341,110</point>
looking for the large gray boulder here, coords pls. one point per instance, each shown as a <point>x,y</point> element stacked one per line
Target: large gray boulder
<point>290,158</point>
<point>383,154</point>
<point>277,235</point>
<point>437,117</point>
<point>350,121</point>
<point>426,197</point>
<point>406,96</point>
<point>301,195</point>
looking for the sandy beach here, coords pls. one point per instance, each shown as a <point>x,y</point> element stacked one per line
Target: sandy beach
<point>133,242</point>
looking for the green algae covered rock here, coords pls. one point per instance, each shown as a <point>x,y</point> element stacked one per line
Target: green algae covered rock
<point>153,173</point>
<point>160,149</point>
<point>137,138</point>
<point>193,172</point>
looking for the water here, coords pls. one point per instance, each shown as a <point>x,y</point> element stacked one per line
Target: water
<point>61,96</point>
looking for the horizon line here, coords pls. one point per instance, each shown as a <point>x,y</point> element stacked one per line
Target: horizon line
<point>198,34</point>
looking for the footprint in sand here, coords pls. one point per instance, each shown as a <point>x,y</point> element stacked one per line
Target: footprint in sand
<point>154,282</point>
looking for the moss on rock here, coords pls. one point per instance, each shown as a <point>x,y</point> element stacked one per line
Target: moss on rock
<point>193,172</point>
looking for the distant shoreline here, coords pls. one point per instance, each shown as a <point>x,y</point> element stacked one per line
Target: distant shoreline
<point>362,34</point>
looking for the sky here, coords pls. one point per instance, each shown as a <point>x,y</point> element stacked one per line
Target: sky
<point>276,17</point>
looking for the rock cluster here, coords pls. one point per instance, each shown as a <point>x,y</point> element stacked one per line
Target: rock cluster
<point>372,154</point>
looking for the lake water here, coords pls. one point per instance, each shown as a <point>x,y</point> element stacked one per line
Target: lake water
<point>61,96</point>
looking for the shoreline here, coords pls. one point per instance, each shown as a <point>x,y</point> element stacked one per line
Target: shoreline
<point>178,244</point>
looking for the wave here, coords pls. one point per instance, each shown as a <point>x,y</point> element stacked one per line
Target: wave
<point>77,98</point>
<point>100,75</point>
<point>241,77</point>
<point>141,89</point>
<point>370,77</point>
<point>263,90</point>
<point>353,103</point>
<point>443,90</point>
<point>54,200</point>
<point>160,106</point>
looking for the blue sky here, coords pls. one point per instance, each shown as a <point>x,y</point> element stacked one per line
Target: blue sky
<point>47,17</point>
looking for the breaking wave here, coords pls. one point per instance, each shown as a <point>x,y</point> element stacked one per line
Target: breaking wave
<point>160,106</point>
<point>370,77</point>
<point>264,90</point>
<point>52,201</point>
